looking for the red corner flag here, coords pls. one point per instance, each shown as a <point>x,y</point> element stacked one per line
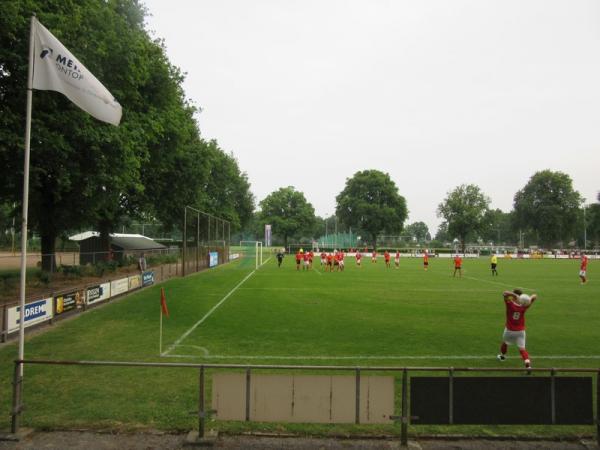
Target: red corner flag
<point>163,302</point>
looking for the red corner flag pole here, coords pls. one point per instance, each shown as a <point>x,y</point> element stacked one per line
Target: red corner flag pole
<point>163,311</point>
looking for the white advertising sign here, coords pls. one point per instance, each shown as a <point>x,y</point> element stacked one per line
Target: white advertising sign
<point>119,286</point>
<point>35,312</point>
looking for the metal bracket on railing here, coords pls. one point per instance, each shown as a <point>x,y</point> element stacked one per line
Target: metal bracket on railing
<point>203,414</point>
<point>401,419</point>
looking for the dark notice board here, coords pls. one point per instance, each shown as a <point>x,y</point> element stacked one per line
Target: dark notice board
<point>501,400</point>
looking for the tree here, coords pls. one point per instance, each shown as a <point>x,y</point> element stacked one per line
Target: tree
<point>549,206</point>
<point>441,234</point>
<point>498,227</point>
<point>464,210</point>
<point>593,223</point>
<point>418,230</point>
<point>370,202</point>
<point>288,212</point>
<point>85,173</point>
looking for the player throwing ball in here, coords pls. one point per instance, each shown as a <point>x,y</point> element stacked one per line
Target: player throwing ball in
<point>517,305</point>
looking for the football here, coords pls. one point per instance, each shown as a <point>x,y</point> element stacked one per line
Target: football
<point>524,300</point>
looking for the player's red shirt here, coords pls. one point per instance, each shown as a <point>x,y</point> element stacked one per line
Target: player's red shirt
<point>584,261</point>
<point>338,256</point>
<point>358,256</point>
<point>425,257</point>
<point>323,255</point>
<point>397,255</point>
<point>310,256</point>
<point>298,256</point>
<point>374,254</point>
<point>515,315</point>
<point>306,256</point>
<point>329,258</point>
<point>386,255</point>
<point>457,262</point>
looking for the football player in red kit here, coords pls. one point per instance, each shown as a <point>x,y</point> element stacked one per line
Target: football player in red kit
<point>517,305</point>
<point>583,268</point>
<point>397,259</point>
<point>358,257</point>
<point>457,266</point>
<point>386,256</point>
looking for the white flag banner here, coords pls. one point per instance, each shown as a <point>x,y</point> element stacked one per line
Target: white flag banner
<point>56,69</point>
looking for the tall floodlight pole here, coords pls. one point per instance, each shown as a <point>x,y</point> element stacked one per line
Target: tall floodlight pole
<point>584,230</point>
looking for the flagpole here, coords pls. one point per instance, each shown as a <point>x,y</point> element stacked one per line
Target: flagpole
<point>25,199</point>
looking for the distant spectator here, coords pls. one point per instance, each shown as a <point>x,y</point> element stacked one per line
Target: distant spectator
<point>142,263</point>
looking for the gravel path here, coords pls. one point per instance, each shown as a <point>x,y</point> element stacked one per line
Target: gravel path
<point>157,441</point>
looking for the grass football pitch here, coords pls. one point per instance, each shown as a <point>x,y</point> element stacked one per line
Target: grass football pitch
<point>363,316</point>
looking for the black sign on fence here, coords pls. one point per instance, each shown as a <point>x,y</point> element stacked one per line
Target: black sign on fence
<point>68,302</point>
<point>502,400</point>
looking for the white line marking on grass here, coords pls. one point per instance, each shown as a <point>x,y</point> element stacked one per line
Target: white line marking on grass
<point>499,284</point>
<point>188,332</point>
<point>383,357</point>
<point>317,271</point>
<point>204,350</point>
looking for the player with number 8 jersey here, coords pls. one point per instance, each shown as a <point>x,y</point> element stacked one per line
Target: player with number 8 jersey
<point>517,305</point>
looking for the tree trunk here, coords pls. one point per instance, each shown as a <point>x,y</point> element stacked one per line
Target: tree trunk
<point>463,244</point>
<point>48,237</point>
<point>104,229</point>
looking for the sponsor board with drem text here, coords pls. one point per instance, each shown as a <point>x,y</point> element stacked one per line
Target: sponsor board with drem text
<point>35,312</point>
<point>68,302</point>
<point>119,286</point>
<point>98,293</point>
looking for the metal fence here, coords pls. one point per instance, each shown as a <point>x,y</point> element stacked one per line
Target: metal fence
<point>68,260</point>
<point>203,234</point>
<point>403,419</point>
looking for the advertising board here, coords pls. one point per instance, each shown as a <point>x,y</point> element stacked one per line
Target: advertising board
<point>135,281</point>
<point>95,294</point>
<point>147,278</point>
<point>68,302</point>
<point>35,312</point>
<point>213,259</point>
<point>119,286</point>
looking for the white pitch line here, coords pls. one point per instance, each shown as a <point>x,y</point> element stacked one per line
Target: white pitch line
<point>383,357</point>
<point>188,332</point>
<point>499,284</point>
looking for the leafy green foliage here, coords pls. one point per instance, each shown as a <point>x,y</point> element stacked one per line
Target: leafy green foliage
<point>370,201</point>
<point>85,173</point>
<point>418,230</point>
<point>549,206</point>
<point>464,209</point>
<point>288,212</point>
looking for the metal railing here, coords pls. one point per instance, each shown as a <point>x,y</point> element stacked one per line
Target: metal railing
<point>203,413</point>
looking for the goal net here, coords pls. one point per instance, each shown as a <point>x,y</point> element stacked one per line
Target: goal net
<point>251,253</point>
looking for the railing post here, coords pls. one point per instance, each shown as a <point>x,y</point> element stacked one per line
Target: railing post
<point>201,410</point>
<point>598,407</point>
<point>17,399</point>
<point>404,420</point>
<point>4,324</point>
<point>553,395</point>
<point>357,417</point>
<point>451,396</point>
<point>248,395</point>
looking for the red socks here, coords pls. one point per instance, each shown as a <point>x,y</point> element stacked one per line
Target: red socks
<point>503,348</point>
<point>524,354</point>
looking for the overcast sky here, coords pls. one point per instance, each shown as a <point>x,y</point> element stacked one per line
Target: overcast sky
<point>435,93</point>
